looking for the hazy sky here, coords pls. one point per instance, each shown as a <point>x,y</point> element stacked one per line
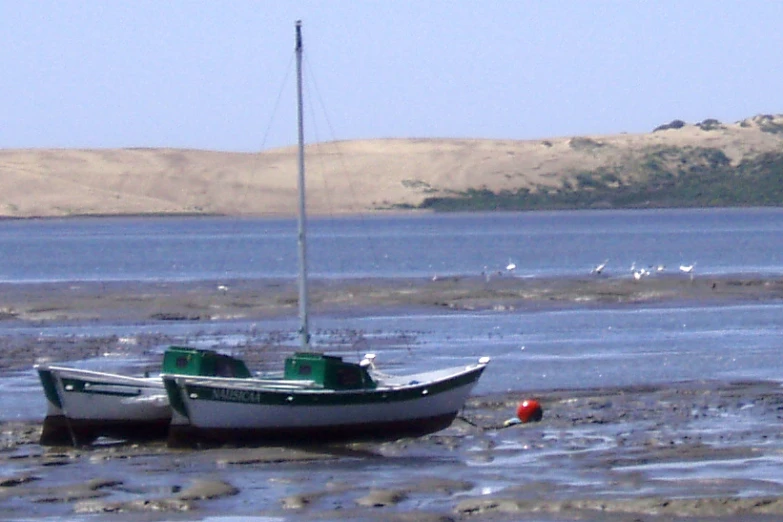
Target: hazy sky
<point>210,74</point>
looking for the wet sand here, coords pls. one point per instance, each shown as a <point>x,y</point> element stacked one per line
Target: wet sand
<point>648,453</point>
<point>692,450</point>
<point>247,299</point>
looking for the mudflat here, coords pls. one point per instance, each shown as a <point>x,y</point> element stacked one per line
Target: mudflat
<point>246,299</point>
<point>675,451</point>
<point>679,451</point>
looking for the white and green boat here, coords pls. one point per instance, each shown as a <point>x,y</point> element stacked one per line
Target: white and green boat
<point>83,405</point>
<point>320,398</point>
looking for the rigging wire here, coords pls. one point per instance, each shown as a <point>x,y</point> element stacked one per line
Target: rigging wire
<point>334,144</point>
<point>277,104</point>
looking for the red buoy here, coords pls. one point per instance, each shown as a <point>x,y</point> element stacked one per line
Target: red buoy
<point>529,410</point>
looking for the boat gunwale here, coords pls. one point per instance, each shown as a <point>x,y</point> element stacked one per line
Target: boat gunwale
<point>383,381</point>
<point>115,378</point>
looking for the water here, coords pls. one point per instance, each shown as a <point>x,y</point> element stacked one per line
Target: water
<point>568,348</point>
<point>539,243</point>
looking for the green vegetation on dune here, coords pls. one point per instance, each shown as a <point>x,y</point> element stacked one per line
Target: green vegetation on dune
<point>663,177</point>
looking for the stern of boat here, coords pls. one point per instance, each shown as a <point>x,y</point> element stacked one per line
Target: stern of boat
<point>49,383</point>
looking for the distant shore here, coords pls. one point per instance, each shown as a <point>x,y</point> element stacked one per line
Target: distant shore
<point>380,175</point>
<point>198,215</point>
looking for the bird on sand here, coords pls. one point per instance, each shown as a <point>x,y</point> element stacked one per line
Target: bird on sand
<point>638,273</point>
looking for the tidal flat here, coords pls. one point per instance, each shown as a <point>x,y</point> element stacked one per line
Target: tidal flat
<point>701,449</point>
<point>694,450</point>
<point>133,302</point>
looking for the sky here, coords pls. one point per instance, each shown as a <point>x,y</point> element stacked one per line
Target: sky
<point>206,74</point>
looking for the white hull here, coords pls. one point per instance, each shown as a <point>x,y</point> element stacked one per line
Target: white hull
<point>84,404</point>
<point>249,410</point>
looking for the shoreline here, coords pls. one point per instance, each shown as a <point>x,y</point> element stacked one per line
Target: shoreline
<point>367,213</point>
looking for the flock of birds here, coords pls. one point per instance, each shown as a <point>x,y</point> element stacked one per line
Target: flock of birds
<point>639,273</point>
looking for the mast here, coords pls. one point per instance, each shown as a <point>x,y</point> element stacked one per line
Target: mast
<point>304,330</point>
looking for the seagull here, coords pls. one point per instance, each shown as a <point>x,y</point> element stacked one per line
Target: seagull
<point>687,268</point>
<point>599,268</point>
<point>638,273</point>
<point>511,265</point>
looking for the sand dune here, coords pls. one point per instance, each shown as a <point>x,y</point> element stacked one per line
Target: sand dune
<point>343,177</point>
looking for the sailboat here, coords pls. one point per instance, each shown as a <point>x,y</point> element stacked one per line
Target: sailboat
<point>320,398</point>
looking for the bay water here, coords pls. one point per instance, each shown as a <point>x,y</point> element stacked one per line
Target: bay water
<point>719,241</point>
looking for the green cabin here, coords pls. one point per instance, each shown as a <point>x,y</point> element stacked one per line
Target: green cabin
<point>329,371</point>
<point>203,363</point>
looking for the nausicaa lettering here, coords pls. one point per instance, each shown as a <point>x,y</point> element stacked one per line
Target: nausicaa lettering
<point>248,396</point>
